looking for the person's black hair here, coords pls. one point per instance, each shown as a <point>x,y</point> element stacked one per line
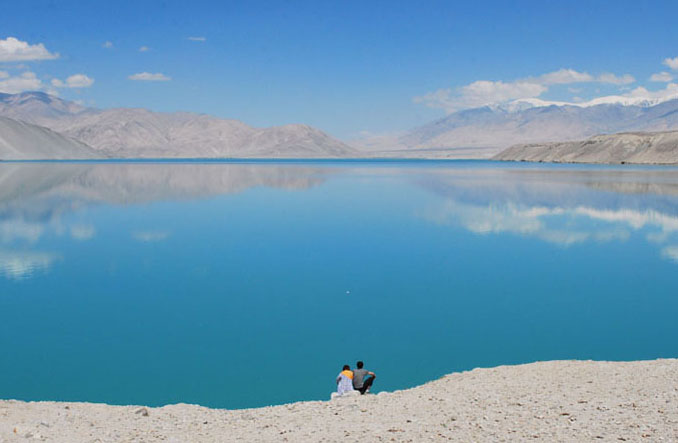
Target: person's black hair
<point>359,365</point>
<point>346,368</point>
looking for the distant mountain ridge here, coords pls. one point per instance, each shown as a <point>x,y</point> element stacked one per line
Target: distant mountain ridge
<point>485,131</point>
<point>472,133</point>
<point>140,133</point>
<point>36,107</point>
<point>629,147</point>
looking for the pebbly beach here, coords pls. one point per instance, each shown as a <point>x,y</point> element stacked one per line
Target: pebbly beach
<point>542,401</point>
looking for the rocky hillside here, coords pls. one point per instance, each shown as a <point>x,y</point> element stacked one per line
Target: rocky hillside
<point>140,133</point>
<point>24,141</point>
<point>630,147</point>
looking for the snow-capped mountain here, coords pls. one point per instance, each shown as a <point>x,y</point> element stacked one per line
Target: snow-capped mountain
<point>483,132</point>
<point>641,101</point>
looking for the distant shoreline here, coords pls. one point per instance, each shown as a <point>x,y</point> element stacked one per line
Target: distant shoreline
<point>555,400</point>
<point>252,160</point>
<point>354,160</point>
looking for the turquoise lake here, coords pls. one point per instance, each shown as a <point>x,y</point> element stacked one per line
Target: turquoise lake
<point>244,284</point>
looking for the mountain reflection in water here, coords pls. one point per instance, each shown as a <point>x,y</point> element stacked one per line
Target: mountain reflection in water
<point>544,203</point>
<point>34,197</point>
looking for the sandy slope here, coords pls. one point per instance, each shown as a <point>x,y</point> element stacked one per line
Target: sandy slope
<point>630,147</point>
<point>24,141</point>
<point>547,401</point>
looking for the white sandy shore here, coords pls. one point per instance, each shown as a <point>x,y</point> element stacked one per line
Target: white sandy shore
<point>548,401</point>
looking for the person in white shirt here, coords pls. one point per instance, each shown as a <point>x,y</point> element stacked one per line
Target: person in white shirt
<point>345,381</point>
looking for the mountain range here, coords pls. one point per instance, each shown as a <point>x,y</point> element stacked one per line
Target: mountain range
<point>485,131</point>
<point>37,125</point>
<point>140,133</point>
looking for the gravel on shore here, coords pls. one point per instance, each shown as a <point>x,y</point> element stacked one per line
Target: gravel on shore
<point>545,401</point>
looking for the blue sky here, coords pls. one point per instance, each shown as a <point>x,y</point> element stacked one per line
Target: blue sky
<point>344,67</point>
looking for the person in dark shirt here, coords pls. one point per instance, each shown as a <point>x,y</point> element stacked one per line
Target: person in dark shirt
<point>362,378</point>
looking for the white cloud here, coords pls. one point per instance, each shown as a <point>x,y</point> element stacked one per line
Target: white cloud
<point>671,63</point>
<point>563,77</point>
<point>483,92</point>
<point>671,91</point>
<point>74,81</point>
<point>12,50</point>
<point>147,76</point>
<point>144,49</point>
<point>661,77</point>
<point>26,81</point>
<point>4,74</point>
<point>107,45</point>
<point>197,39</point>
<point>616,80</point>
<point>480,93</point>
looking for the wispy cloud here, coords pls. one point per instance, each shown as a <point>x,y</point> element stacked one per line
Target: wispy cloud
<point>616,80</point>
<point>107,45</point>
<point>144,49</point>
<point>662,77</point>
<point>197,39</point>
<point>562,77</point>
<point>671,63</point>
<point>149,77</point>
<point>13,50</point>
<point>74,81</point>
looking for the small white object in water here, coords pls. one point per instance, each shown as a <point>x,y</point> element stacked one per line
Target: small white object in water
<point>348,292</point>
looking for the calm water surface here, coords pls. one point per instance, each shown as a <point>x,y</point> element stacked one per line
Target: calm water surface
<point>247,284</point>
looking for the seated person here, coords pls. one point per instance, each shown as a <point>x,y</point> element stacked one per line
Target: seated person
<point>345,380</point>
<point>362,378</point>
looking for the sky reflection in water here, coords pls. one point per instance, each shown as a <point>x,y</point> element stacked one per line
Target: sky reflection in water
<point>247,284</point>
